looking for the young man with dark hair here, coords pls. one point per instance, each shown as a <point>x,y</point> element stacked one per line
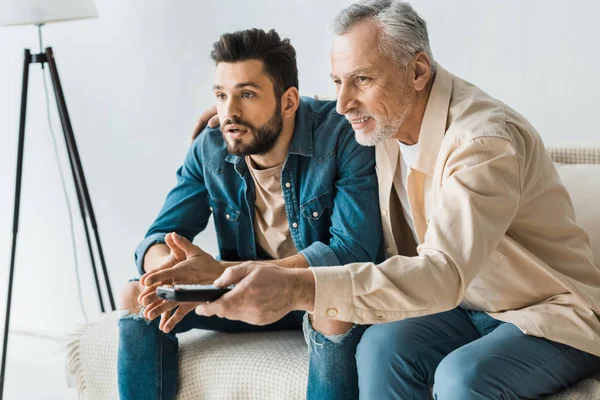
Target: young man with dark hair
<point>284,180</point>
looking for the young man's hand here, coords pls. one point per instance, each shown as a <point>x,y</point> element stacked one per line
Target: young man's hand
<point>187,264</point>
<point>197,266</point>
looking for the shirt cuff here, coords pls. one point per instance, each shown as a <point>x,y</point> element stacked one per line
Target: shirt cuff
<point>143,247</point>
<point>333,293</point>
<point>319,254</point>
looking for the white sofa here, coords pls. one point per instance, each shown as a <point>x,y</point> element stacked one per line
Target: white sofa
<point>274,365</point>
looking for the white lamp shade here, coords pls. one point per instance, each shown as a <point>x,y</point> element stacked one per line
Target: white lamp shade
<point>35,12</point>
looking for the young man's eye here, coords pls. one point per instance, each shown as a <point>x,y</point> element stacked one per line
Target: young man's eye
<point>247,95</point>
<point>221,96</point>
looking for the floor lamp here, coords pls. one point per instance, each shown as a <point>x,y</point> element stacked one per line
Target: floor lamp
<point>40,12</point>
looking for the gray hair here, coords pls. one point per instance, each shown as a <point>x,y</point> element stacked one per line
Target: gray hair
<point>404,33</point>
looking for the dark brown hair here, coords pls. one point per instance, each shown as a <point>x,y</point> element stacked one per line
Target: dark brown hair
<point>277,55</point>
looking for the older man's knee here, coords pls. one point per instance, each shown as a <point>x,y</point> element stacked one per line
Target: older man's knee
<point>464,377</point>
<point>129,297</point>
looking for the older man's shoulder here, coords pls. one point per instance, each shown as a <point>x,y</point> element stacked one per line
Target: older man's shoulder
<point>475,114</point>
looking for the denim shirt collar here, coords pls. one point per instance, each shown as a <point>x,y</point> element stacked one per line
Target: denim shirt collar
<point>302,139</point>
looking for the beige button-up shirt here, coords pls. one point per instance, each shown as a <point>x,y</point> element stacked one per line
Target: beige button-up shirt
<point>496,226</point>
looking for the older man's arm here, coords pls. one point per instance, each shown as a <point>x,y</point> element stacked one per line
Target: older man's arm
<point>477,203</point>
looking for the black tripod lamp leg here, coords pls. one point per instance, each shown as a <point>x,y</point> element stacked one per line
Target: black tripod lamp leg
<point>70,137</point>
<point>20,150</point>
<point>73,160</point>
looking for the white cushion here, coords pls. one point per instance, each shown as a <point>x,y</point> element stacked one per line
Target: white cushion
<point>583,184</point>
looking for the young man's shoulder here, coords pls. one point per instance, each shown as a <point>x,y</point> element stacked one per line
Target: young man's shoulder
<point>329,129</point>
<point>210,147</point>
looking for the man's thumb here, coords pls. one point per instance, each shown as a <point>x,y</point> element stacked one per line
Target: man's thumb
<point>232,275</point>
<point>188,247</point>
<point>178,252</point>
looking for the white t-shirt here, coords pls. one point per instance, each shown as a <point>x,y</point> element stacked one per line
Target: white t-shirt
<point>406,159</point>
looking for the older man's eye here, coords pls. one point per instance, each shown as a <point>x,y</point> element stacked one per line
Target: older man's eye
<point>363,78</point>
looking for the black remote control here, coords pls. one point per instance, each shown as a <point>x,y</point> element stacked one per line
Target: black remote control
<point>191,293</point>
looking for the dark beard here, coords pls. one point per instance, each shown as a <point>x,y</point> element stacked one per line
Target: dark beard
<point>265,137</point>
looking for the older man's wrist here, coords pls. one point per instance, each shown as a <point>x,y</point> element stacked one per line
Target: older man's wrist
<point>304,289</point>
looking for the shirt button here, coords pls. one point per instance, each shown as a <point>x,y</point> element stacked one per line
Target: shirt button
<point>315,214</point>
<point>288,185</point>
<point>294,225</point>
<point>211,209</point>
<point>389,250</point>
<point>227,216</point>
<point>384,212</point>
<point>332,312</point>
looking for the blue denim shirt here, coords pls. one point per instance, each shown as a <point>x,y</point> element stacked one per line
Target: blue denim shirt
<point>328,182</point>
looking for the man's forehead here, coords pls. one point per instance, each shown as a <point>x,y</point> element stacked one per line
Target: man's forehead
<point>356,50</point>
<point>241,73</point>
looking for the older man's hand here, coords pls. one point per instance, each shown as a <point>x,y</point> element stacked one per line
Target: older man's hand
<point>208,117</point>
<point>264,293</point>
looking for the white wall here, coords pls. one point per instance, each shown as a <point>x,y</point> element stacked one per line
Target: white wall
<point>136,78</point>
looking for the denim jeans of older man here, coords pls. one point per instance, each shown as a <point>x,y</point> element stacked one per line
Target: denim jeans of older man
<point>464,355</point>
<point>148,369</point>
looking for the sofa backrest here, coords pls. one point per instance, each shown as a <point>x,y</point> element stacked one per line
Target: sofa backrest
<point>579,170</point>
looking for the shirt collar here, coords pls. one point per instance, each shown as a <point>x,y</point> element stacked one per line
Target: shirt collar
<point>433,127</point>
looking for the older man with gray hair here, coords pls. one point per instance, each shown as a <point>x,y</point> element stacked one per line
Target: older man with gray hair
<point>489,290</point>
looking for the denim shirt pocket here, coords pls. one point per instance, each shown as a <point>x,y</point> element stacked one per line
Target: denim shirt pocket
<point>317,212</point>
<point>226,224</point>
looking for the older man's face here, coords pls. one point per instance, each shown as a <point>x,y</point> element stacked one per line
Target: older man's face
<point>373,92</point>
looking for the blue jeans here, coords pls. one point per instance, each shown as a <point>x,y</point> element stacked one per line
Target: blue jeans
<point>464,355</point>
<point>147,359</point>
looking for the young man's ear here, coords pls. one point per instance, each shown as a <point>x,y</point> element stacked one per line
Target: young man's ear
<point>290,101</point>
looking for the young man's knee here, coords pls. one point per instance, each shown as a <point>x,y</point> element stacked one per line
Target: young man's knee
<point>330,326</point>
<point>129,297</point>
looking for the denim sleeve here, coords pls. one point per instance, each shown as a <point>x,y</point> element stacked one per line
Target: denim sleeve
<point>185,211</point>
<point>355,222</point>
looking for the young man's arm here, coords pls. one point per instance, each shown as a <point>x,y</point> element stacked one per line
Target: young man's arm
<point>356,232</point>
<point>185,211</point>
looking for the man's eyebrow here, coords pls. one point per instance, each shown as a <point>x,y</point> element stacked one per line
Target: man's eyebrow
<point>355,72</point>
<point>240,86</point>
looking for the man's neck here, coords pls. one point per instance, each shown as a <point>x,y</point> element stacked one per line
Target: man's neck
<point>411,129</point>
<point>278,153</point>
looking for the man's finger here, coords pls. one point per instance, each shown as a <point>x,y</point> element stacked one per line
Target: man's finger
<point>176,252</point>
<point>169,263</point>
<point>204,118</point>
<point>189,249</point>
<point>233,275</point>
<point>149,298</point>
<point>156,309</point>
<point>214,121</point>
<point>208,309</point>
<point>165,275</point>
<point>150,307</point>
<point>148,290</point>
<point>177,316</point>
<point>163,319</point>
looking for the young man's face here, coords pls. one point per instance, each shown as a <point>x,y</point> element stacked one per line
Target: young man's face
<point>248,109</point>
